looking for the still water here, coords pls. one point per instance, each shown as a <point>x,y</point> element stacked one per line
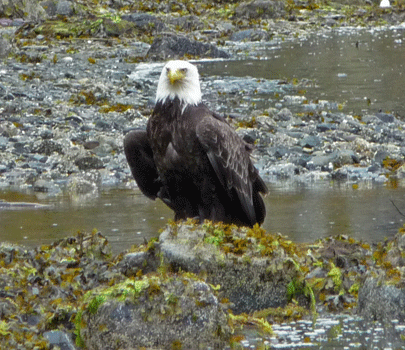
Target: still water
<point>361,70</point>
<point>302,212</point>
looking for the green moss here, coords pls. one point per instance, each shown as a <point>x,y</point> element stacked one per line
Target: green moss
<point>95,303</point>
<point>4,328</point>
<point>336,274</point>
<point>78,322</point>
<point>239,321</point>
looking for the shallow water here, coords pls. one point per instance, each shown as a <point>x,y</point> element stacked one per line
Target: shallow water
<point>360,70</point>
<point>302,212</point>
<point>333,332</point>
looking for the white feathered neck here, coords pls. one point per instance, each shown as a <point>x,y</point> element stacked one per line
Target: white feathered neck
<point>186,85</point>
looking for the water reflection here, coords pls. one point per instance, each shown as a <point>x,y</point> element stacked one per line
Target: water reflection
<point>127,217</point>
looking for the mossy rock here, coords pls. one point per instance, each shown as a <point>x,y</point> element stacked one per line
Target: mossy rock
<point>253,268</point>
<point>160,311</point>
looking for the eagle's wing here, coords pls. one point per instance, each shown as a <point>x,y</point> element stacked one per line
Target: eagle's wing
<point>140,159</point>
<point>229,156</point>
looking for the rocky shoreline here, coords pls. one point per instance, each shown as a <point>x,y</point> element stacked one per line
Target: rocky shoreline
<point>69,98</point>
<point>75,77</point>
<point>197,286</point>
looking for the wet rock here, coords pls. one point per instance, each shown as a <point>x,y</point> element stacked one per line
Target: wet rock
<point>170,47</point>
<point>5,47</point>
<point>145,21</point>
<point>46,186</point>
<point>385,117</point>
<point>229,257</point>
<point>346,157</point>
<point>323,127</point>
<point>31,9</point>
<point>188,23</point>
<point>50,7</point>
<point>47,147</point>
<point>380,156</point>
<point>322,161</point>
<point>284,115</point>
<point>310,141</point>
<point>91,144</point>
<point>84,184</point>
<point>260,9</point>
<point>87,163</point>
<point>172,311</point>
<point>60,339</point>
<point>64,8</point>
<point>145,262</point>
<point>381,302</point>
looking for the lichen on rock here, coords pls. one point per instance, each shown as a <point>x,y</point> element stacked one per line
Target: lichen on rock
<point>153,311</point>
<point>252,266</point>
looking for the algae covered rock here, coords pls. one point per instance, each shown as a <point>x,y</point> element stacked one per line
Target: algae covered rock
<point>160,311</point>
<point>30,9</point>
<point>40,288</point>
<point>382,295</point>
<point>253,268</point>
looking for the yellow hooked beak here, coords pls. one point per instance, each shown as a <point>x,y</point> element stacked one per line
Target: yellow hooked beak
<point>176,75</point>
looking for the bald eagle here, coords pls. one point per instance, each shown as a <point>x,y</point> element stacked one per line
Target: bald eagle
<point>191,158</point>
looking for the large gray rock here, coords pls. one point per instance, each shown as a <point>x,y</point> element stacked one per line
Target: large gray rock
<point>382,295</point>
<point>145,21</point>
<point>170,47</point>
<point>29,9</point>
<point>379,301</point>
<point>260,9</point>
<point>253,268</point>
<point>159,311</point>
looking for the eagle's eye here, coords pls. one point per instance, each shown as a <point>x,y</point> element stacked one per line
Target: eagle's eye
<point>184,70</point>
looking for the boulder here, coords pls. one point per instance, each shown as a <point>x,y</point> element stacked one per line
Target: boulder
<point>252,267</point>
<point>145,21</point>
<point>379,301</point>
<point>171,47</point>
<point>263,9</point>
<point>156,311</point>
<point>382,295</point>
<point>28,9</point>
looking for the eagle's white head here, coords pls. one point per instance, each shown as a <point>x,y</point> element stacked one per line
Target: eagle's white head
<point>179,79</point>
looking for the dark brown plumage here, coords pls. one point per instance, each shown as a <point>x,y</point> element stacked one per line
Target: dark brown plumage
<point>192,159</point>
